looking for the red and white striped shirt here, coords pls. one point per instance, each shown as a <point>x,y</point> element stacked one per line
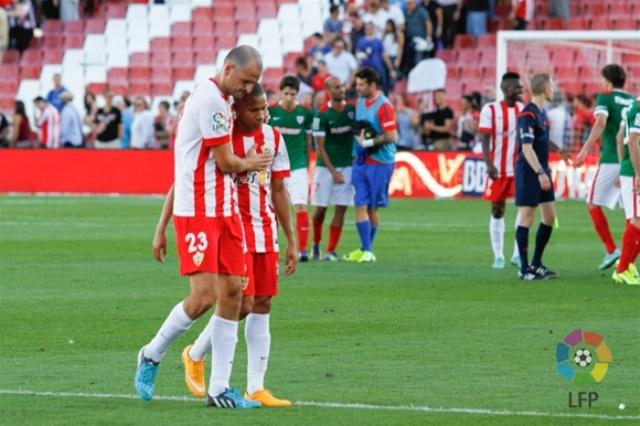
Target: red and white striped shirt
<point>49,123</point>
<point>501,122</point>
<point>254,188</point>
<point>524,9</point>
<point>201,188</point>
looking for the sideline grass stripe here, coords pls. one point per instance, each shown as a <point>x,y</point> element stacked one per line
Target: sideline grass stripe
<point>351,406</point>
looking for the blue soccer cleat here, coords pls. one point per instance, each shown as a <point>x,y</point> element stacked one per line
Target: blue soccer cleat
<point>145,379</point>
<point>316,252</point>
<point>231,398</point>
<point>303,256</point>
<point>609,259</point>
<point>498,263</point>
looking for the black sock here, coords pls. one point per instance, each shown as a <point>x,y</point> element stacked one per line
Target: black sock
<point>522,238</point>
<point>542,238</point>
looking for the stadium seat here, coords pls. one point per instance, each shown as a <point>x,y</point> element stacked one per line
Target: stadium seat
<point>31,57</point>
<point>183,72</point>
<point>202,14</point>
<point>161,59</point>
<point>182,43</point>
<point>118,75</point>
<point>29,72</point>
<point>202,28</point>
<point>117,58</point>
<point>566,73</point>
<point>205,57</point>
<point>8,86</point>
<point>449,56</point>
<point>116,10</point>
<point>203,43</point>
<point>95,74</point>
<point>161,89</point>
<point>95,49</point>
<point>52,56</point>
<point>245,13</point>
<point>245,27</point>
<point>595,9</point>
<point>160,44</point>
<point>468,57</point>
<point>463,41</point>
<point>182,58</point>
<point>53,41</point>
<point>137,15</point>
<point>52,26</point>
<point>578,24</point>
<point>95,26</point>
<point>180,13</point>
<point>139,73</point>
<point>160,75</point>
<point>181,29</point>
<point>73,41</point>
<point>225,41</point>
<point>250,40</point>
<point>139,88</point>
<point>600,23</point>
<point>487,41</point>
<point>159,24</point>
<point>73,27</point>
<point>11,57</point>
<point>626,23</point>
<point>9,72</point>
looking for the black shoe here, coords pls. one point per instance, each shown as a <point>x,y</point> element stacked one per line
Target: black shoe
<point>545,273</point>
<point>529,275</point>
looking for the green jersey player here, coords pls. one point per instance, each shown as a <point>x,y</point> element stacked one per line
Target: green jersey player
<point>294,123</point>
<point>604,190</point>
<point>332,128</point>
<point>626,272</point>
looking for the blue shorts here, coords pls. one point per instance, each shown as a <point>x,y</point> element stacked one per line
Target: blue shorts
<point>528,191</point>
<point>371,182</point>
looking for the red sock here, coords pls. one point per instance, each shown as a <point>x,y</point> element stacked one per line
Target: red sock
<point>602,228</point>
<point>334,237</point>
<point>317,232</point>
<point>630,241</point>
<point>302,223</point>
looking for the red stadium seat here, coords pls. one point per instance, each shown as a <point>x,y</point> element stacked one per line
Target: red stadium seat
<point>468,57</point>
<point>73,41</point>
<point>181,29</point>
<point>202,14</point>
<point>463,41</point>
<point>8,86</point>
<point>161,59</point>
<point>9,72</point>
<point>182,58</point>
<point>74,27</point>
<point>117,75</point>
<point>595,9</point>
<point>139,88</point>
<point>29,72</point>
<point>160,44</point>
<point>223,10</point>
<point>489,72</point>
<point>266,10</point>
<point>116,10</point>
<point>52,56</point>
<point>53,41</point>
<point>181,43</point>
<point>139,73</point>
<point>470,73</point>
<point>554,24</point>
<point>183,73</point>
<point>51,26</point>
<point>161,89</point>
<point>453,72</point>
<point>601,23</point>
<point>246,13</point>
<point>96,87</point>
<point>95,26</point>
<point>629,58</point>
<point>628,23</point>
<point>246,27</point>
<point>564,56</point>
<point>203,43</point>
<point>449,56</point>
<point>202,28</point>
<point>31,57</point>
<point>578,24</point>
<point>139,59</point>
<point>205,57</point>
<point>488,58</point>
<point>225,41</point>
<point>566,73</point>
<point>11,57</point>
<point>487,41</point>
<point>7,102</point>
<point>224,28</point>
<point>160,75</point>
<point>120,88</point>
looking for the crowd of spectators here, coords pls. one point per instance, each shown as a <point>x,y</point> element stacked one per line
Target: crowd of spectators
<point>107,122</point>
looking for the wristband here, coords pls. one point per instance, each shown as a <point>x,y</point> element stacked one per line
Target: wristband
<point>368,143</point>
<point>540,172</point>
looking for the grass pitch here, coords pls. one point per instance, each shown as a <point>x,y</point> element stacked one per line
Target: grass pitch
<point>429,334</point>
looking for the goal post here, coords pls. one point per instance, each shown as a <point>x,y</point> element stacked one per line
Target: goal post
<point>610,42</point>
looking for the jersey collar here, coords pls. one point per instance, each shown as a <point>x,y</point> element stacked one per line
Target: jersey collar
<point>368,103</point>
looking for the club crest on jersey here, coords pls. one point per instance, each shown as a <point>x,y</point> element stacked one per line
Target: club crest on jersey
<point>300,119</point>
<point>198,258</point>
<point>245,283</point>
<point>350,115</point>
<point>218,122</point>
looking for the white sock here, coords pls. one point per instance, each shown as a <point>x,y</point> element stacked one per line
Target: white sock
<point>496,230</point>
<point>256,332</point>
<point>173,327</point>
<point>516,252</point>
<point>202,345</point>
<point>223,348</point>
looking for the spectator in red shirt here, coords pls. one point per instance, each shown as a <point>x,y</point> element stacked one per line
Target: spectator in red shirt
<point>583,119</point>
<point>317,82</point>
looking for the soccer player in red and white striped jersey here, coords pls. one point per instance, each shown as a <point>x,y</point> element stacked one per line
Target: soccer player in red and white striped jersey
<point>48,121</point>
<point>497,133</point>
<point>262,197</point>
<point>209,234</point>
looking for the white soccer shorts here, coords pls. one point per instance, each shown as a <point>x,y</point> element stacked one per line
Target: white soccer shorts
<point>605,190</point>
<point>298,186</point>
<point>327,193</point>
<point>630,198</point>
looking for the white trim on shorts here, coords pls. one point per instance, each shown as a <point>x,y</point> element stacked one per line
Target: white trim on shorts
<point>327,193</point>
<point>298,187</point>
<point>113,144</point>
<point>605,189</point>
<point>630,198</point>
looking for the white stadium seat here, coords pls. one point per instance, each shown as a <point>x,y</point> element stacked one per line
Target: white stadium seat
<point>138,39</point>
<point>73,58</point>
<point>292,44</point>
<point>95,49</point>
<point>95,74</point>
<point>289,13</point>
<point>248,39</point>
<point>117,58</point>
<point>201,3</point>
<point>180,13</point>
<point>159,24</point>
<point>137,14</point>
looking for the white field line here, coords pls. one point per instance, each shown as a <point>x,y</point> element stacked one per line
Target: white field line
<point>351,406</point>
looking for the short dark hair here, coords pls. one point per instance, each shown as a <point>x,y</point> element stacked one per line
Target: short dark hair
<point>242,55</point>
<point>165,104</point>
<point>290,81</point>
<point>39,99</point>
<point>337,39</point>
<point>317,35</point>
<point>369,75</point>
<point>302,61</point>
<point>257,91</point>
<point>333,8</point>
<point>509,75</point>
<point>615,74</point>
